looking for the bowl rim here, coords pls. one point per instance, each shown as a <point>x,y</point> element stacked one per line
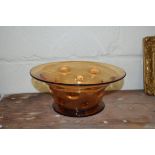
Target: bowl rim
<point>76,84</point>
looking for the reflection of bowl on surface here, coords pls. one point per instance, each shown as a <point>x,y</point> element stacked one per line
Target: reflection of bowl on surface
<point>77,86</point>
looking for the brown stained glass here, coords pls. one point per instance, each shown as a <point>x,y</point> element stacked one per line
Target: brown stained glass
<point>77,86</point>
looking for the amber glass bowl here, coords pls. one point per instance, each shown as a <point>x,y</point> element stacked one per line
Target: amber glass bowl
<point>77,87</point>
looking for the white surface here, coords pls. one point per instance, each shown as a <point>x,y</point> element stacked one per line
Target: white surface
<point>24,47</point>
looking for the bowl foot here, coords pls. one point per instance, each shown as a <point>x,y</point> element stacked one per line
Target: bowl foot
<point>79,113</point>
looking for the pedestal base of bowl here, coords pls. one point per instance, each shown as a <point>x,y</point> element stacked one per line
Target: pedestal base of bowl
<point>78,113</point>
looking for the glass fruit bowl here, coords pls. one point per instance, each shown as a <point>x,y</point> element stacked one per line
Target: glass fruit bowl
<point>77,87</point>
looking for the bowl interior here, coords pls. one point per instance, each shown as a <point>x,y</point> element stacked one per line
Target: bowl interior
<point>74,73</point>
